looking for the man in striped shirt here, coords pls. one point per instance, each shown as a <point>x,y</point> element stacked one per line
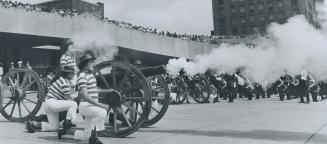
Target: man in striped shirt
<point>67,59</point>
<point>93,111</point>
<point>58,99</point>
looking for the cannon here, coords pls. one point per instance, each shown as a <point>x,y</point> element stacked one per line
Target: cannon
<point>121,85</point>
<point>198,87</point>
<point>179,87</point>
<point>152,71</point>
<point>22,94</point>
<point>160,93</point>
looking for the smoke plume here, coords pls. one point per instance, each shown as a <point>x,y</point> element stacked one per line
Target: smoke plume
<point>99,41</point>
<point>287,48</point>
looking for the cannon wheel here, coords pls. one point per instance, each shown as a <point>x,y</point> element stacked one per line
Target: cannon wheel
<point>181,90</point>
<point>160,99</point>
<point>21,96</point>
<point>131,108</point>
<point>201,95</point>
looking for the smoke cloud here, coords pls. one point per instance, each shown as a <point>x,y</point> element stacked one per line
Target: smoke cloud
<point>100,41</point>
<point>287,48</point>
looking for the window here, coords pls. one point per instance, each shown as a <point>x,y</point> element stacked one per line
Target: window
<point>280,4</point>
<point>221,11</point>
<point>251,19</point>
<point>261,18</point>
<point>294,2</point>
<point>243,20</point>
<point>271,17</point>
<point>251,7</point>
<point>262,29</point>
<point>220,2</point>
<point>281,15</point>
<point>233,9</point>
<point>242,9</point>
<point>243,30</point>
<point>260,6</point>
<point>222,21</point>
<point>270,5</point>
<point>234,31</point>
<point>234,21</point>
<point>221,31</point>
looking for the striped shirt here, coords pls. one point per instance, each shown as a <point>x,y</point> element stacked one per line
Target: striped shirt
<point>66,60</point>
<point>87,80</point>
<point>60,89</point>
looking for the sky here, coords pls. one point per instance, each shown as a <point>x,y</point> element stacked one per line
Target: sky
<point>181,16</point>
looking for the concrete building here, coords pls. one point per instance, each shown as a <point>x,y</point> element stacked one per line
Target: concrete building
<point>236,17</point>
<point>81,6</point>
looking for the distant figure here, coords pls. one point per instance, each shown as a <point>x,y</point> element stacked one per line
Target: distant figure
<point>50,75</point>
<point>12,66</point>
<point>28,65</point>
<point>20,64</point>
<point>1,70</point>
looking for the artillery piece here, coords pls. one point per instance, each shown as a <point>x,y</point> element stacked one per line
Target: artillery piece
<point>128,90</point>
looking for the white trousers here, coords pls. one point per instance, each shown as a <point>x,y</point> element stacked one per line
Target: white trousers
<point>52,109</point>
<point>94,117</point>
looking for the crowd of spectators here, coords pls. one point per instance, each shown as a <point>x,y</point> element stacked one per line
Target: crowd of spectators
<point>30,7</point>
<point>198,38</point>
<point>68,12</point>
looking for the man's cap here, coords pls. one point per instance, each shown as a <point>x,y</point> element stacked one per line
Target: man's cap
<point>67,42</point>
<point>89,55</point>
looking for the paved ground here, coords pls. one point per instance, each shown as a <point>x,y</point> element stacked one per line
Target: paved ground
<point>243,122</point>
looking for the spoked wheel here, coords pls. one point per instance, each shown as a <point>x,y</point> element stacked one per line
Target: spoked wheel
<point>22,95</point>
<point>180,89</point>
<point>130,102</point>
<point>160,99</point>
<point>201,94</point>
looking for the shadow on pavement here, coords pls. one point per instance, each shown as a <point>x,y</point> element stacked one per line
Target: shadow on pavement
<point>63,140</point>
<point>254,134</point>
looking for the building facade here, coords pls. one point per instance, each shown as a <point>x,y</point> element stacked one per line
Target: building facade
<point>237,17</point>
<point>81,6</point>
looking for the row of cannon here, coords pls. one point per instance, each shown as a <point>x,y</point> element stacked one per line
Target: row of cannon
<point>141,98</point>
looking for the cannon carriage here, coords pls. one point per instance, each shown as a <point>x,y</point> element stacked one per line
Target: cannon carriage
<point>198,87</point>
<point>137,97</point>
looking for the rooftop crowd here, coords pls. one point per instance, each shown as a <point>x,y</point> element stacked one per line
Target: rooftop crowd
<point>73,12</point>
<point>30,7</point>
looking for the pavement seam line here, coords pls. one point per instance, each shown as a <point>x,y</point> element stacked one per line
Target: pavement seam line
<point>314,134</point>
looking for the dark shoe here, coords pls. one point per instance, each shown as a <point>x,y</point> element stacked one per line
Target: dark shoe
<point>61,132</point>
<point>94,140</point>
<point>301,102</point>
<point>216,101</point>
<point>187,102</point>
<point>111,119</point>
<point>68,124</point>
<point>30,126</point>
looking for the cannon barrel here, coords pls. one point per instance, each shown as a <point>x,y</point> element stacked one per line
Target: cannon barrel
<point>147,72</point>
<point>152,71</point>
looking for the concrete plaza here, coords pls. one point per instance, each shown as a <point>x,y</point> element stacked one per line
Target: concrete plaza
<point>265,121</point>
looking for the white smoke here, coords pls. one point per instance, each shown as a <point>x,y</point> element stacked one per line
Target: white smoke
<point>287,48</point>
<point>99,41</point>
